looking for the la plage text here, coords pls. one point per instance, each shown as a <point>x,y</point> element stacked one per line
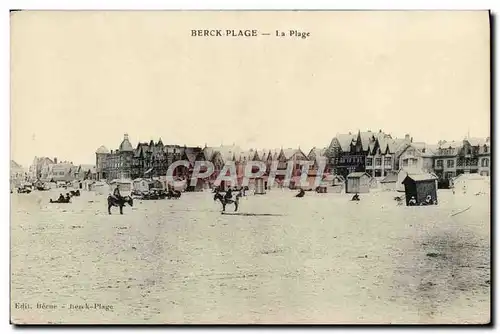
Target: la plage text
<point>248,33</point>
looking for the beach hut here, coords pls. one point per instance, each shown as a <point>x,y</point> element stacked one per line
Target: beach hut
<point>337,182</point>
<point>124,185</point>
<point>99,187</point>
<point>358,182</point>
<point>374,183</point>
<point>388,183</point>
<point>420,186</point>
<point>403,173</point>
<point>259,186</point>
<point>472,183</point>
<point>141,185</point>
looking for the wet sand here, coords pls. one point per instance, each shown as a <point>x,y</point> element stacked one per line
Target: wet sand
<point>318,259</point>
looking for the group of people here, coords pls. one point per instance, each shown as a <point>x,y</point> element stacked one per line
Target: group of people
<point>62,198</point>
<point>428,201</point>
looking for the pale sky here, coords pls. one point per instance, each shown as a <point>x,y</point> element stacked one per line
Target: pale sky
<point>82,79</point>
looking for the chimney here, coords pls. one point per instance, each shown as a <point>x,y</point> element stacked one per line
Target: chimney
<point>411,140</point>
<point>407,137</point>
<point>55,160</point>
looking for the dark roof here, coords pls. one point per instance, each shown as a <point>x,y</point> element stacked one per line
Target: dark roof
<point>357,175</point>
<point>125,145</point>
<point>390,178</point>
<point>14,164</point>
<point>420,177</point>
<point>345,141</point>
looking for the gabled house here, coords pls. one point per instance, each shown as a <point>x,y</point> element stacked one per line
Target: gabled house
<point>39,164</point>
<point>351,152</point>
<point>383,153</point>
<point>17,174</point>
<point>459,157</point>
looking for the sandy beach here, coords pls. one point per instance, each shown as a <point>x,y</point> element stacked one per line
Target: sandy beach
<point>318,259</point>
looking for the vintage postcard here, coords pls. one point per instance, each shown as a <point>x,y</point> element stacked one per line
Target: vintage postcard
<point>250,167</point>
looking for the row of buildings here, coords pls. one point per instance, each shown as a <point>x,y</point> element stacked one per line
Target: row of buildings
<point>375,153</point>
<point>51,170</point>
<point>378,154</point>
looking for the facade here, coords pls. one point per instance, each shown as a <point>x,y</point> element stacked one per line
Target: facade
<point>17,174</point>
<point>417,157</point>
<point>382,159</point>
<point>60,172</point>
<point>147,160</point>
<point>39,168</point>
<point>85,172</point>
<point>373,152</point>
<point>471,155</point>
<point>346,155</point>
<point>484,156</point>
<point>115,164</point>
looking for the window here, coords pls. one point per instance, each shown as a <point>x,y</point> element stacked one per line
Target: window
<point>449,175</point>
<point>405,162</point>
<point>485,149</point>
<point>485,163</point>
<point>387,161</point>
<point>369,161</point>
<point>450,163</point>
<point>439,163</point>
<point>378,161</point>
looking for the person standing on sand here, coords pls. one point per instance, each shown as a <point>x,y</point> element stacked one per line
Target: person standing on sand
<point>229,194</point>
<point>116,192</point>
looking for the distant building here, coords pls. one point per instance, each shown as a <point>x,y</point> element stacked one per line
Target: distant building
<point>484,156</point>
<point>471,155</point>
<point>39,169</point>
<point>85,172</point>
<point>62,171</point>
<point>115,164</point>
<point>373,152</point>
<point>17,174</point>
<point>382,159</point>
<point>417,156</point>
<point>147,160</point>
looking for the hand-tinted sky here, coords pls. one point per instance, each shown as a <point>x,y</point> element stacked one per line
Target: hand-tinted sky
<point>83,79</point>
